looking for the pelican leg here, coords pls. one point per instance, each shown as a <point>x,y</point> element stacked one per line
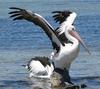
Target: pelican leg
<point>66,76</point>
<point>61,80</point>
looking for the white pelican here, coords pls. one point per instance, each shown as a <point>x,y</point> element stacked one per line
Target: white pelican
<point>40,67</point>
<point>65,40</point>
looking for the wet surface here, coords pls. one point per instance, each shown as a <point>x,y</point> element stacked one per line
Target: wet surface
<point>15,76</point>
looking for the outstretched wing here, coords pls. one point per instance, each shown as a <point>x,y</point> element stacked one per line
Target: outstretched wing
<point>65,18</point>
<point>19,14</point>
<point>61,16</point>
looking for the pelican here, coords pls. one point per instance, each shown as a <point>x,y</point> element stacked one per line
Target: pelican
<point>65,40</point>
<point>40,67</point>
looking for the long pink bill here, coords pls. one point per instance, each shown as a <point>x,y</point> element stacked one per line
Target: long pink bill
<point>77,36</point>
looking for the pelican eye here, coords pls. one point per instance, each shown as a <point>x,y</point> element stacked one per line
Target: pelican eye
<point>73,29</point>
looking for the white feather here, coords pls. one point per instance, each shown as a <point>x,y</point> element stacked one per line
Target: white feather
<point>67,23</point>
<point>40,71</point>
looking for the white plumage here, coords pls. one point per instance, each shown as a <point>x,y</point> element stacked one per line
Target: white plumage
<point>40,67</point>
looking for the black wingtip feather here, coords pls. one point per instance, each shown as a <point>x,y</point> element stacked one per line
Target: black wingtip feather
<point>18,18</point>
<point>60,16</point>
<point>55,15</point>
<point>13,12</point>
<point>15,15</point>
<point>15,8</point>
<point>56,11</point>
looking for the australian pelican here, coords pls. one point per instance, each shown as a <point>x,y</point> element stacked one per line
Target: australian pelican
<point>65,40</point>
<point>40,67</point>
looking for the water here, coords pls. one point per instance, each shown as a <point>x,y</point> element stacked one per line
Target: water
<point>21,40</point>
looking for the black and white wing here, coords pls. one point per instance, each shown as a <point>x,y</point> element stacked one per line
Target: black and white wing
<point>62,16</point>
<point>65,18</point>
<point>20,14</point>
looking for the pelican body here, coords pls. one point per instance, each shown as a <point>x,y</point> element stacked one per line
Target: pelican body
<point>40,67</point>
<point>65,40</point>
<point>67,53</point>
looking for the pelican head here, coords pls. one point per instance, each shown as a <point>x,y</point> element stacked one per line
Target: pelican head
<point>74,36</point>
